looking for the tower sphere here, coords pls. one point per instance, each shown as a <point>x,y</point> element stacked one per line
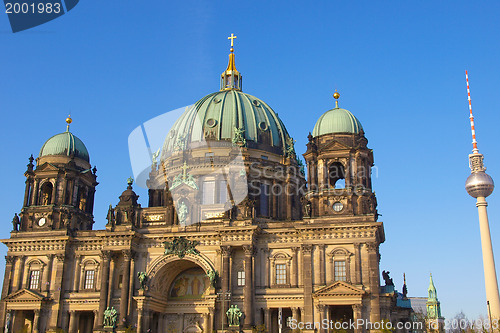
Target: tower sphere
<point>479,184</point>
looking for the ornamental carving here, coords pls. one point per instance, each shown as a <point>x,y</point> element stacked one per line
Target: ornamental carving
<point>181,246</point>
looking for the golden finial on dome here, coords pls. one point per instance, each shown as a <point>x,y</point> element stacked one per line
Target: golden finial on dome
<point>336,95</point>
<point>68,121</point>
<point>231,78</point>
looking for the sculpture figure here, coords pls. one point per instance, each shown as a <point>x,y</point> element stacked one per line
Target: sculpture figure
<point>15,223</point>
<point>233,315</point>
<point>143,280</point>
<point>387,279</point>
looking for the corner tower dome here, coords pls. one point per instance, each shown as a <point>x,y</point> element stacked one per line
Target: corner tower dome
<point>65,144</point>
<point>336,121</point>
<point>230,115</point>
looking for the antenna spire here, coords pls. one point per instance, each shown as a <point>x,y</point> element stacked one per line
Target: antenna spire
<point>471,117</point>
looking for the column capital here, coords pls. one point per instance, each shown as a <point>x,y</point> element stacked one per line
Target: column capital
<point>372,247</point>
<point>9,260</point>
<point>211,310</point>
<point>320,307</point>
<point>249,250</point>
<point>105,255</point>
<point>307,248</point>
<point>295,249</point>
<point>50,256</point>
<point>60,256</point>
<point>226,250</point>
<point>357,307</point>
<point>127,254</point>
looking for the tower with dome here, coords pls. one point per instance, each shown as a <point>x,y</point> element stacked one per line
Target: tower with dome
<point>233,221</point>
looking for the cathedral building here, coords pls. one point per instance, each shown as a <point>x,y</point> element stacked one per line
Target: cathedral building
<point>233,237</point>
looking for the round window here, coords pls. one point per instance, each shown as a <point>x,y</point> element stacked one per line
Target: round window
<point>263,126</point>
<point>211,122</point>
<point>338,206</point>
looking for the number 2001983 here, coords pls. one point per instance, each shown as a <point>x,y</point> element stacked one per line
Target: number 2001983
<point>31,8</point>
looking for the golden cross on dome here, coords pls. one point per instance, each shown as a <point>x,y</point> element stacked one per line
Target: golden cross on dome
<point>232,37</point>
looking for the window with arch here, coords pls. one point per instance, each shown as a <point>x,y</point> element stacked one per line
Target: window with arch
<point>280,275</point>
<point>34,275</point>
<point>336,175</point>
<point>46,194</point>
<point>340,260</point>
<point>88,273</point>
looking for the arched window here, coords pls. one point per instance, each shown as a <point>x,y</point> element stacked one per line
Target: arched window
<point>336,175</point>
<point>46,194</point>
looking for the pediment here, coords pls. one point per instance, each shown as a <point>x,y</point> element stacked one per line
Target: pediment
<point>25,295</point>
<point>47,167</point>
<point>334,145</point>
<point>339,288</point>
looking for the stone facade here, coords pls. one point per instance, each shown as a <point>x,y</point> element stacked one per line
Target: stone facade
<point>306,254</point>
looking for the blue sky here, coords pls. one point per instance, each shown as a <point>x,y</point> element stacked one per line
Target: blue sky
<point>398,65</point>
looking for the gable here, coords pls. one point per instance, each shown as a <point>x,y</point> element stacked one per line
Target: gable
<point>338,289</point>
<point>25,295</point>
<point>333,145</point>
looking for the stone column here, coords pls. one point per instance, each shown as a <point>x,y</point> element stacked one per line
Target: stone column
<point>62,195</point>
<point>210,327</point>
<point>295,267</point>
<point>321,311</point>
<point>20,272</point>
<point>295,314</point>
<point>206,319</point>
<point>307,271</point>
<point>34,195</point>
<point>322,264</point>
<point>103,297</point>
<point>26,193</point>
<point>374,281</point>
<point>47,278</point>
<point>267,271</point>
<point>96,320</point>
<point>54,191</point>
<point>112,265</point>
<point>131,282</point>
<point>36,320</point>
<point>226,279</point>
<point>267,319</point>
<point>125,287</point>
<point>357,264</point>
<point>9,272</point>
<point>76,281</point>
<point>59,287</point>
<point>73,322</point>
<point>356,310</point>
<point>140,313</point>
<point>248,288</point>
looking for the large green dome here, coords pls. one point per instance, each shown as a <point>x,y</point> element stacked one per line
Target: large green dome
<point>221,115</point>
<point>65,144</point>
<point>337,121</point>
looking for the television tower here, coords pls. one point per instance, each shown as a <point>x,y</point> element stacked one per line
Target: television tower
<point>479,185</point>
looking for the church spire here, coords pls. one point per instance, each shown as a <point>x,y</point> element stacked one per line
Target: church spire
<point>231,78</point>
<point>432,290</point>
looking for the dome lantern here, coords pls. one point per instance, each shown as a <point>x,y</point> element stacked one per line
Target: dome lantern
<point>231,78</point>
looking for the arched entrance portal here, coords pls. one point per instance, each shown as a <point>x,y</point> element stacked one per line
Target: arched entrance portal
<point>181,297</point>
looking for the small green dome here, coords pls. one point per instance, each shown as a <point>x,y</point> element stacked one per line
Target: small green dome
<point>337,121</point>
<point>65,144</point>
<point>222,116</point>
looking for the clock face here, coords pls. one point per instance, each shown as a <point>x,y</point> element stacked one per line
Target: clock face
<point>42,221</point>
<point>338,206</point>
